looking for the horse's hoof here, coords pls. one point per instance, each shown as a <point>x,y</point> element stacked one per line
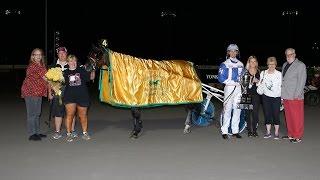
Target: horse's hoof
<point>135,134</point>
<point>187,129</point>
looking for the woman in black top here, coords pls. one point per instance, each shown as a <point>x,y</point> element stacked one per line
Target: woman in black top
<point>253,117</point>
<point>76,96</point>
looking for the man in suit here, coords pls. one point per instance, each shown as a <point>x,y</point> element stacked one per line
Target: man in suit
<point>294,75</point>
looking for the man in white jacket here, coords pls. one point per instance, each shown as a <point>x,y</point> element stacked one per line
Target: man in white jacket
<point>230,72</point>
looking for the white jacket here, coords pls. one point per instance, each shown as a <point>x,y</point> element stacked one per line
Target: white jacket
<point>271,83</point>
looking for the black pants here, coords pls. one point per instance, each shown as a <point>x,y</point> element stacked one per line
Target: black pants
<point>271,108</point>
<point>58,110</point>
<point>252,116</point>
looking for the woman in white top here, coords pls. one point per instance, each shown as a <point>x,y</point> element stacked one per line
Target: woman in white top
<point>270,82</point>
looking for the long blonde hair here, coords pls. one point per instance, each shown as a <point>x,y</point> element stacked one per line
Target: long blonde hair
<point>43,61</point>
<point>248,62</point>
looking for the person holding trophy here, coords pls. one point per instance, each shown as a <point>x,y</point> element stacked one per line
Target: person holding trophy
<point>230,72</point>
<point>252,116</point>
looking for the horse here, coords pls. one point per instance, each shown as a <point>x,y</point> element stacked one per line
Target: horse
<point>200,112</point>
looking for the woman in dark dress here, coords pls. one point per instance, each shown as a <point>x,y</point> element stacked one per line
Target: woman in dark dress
<point>253,115</point>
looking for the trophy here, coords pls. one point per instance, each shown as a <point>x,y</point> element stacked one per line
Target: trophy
<point>246,98</point>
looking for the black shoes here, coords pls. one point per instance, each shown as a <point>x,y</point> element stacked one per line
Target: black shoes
<point>37,137</point>
<point>295,140</point>
<point>237,135</point>
<point>292,140</point>
<point>286,137</point>
<point>255,134</point>
<point>252,134</point>
<point>42,135</point>
<point>34,137</point>
<point>225,136</point>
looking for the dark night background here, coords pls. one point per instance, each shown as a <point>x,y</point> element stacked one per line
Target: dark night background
<point>200,32</point>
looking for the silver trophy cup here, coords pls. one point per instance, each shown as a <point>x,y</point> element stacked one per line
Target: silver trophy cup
<point>246,98</point>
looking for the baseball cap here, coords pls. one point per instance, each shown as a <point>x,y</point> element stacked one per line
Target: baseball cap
<point>62,49</point>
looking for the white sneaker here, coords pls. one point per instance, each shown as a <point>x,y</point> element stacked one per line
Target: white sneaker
<point>276,137</point>
<point>266,136</point>
<point>69,137</point>
<point>74,134</point>
<point>56,135</point>
<point>86,136</point>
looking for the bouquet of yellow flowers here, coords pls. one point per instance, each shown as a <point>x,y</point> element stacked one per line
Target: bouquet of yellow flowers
<point>55,78</point>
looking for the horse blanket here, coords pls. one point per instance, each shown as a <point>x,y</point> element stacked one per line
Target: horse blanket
<point>129,81</point>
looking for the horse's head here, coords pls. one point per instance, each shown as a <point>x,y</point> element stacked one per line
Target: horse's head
<point>98,55</point>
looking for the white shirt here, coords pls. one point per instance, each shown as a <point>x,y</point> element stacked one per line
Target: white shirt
<point>63,66</point>
<point>271,82</point>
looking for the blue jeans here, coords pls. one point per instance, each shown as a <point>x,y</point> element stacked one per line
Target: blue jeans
<point>33,105</point>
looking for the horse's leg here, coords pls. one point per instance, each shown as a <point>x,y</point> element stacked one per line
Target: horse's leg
<point>187,123</point>
<point>137,122</point>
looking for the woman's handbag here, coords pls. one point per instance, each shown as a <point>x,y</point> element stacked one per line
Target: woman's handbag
<point>260,88</point>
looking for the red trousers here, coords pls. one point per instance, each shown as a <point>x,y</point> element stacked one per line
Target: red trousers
<point>294,113</point>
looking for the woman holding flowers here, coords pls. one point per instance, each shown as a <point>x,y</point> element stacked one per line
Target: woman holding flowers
<point>34,87</point>
<point>76,96</point>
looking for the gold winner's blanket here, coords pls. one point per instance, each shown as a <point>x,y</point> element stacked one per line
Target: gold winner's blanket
<point>134,82</point>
